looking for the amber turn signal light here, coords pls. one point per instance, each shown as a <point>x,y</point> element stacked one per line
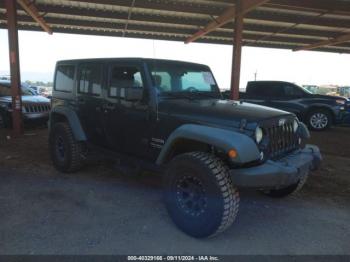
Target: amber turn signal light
<point>232,153</point>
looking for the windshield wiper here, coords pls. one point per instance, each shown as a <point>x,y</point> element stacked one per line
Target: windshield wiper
<point>207,94</point>
<point>177,95</point>
<point>190,95</point>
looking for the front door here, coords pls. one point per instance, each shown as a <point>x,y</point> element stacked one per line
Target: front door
<point>127,123</point>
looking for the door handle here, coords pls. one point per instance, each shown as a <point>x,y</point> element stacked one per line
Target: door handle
<point>109,106</point>
<point>81,101</point>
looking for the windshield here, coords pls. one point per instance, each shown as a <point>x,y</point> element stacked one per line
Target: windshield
<point>5,90</point>
<point>26,91</point>
<point>309,90</point>
<point>182,79</point>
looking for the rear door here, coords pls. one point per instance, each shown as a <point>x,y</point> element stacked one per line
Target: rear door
<point>90,100</point>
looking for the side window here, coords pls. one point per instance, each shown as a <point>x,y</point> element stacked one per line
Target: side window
<point>123,77</point>
<point>275,90</point>
<point>90,79</point>
<point>292,91</point>
<point>162,81</point>
<point>65,78</point>
<point>260,90</point>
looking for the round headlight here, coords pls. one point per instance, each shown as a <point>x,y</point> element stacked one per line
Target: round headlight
<point>295,126</point>
<point>258,135</point>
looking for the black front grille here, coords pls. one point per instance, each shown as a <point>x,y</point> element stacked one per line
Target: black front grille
<point>37,108</point>
<point>282,140</point>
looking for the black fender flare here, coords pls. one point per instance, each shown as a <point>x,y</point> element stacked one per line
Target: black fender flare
<point>72,119</point>
<point>222,139</point>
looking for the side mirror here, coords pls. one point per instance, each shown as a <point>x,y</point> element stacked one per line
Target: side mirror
<point>133,93</point>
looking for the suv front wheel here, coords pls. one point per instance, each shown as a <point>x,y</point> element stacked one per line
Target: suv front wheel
<point>67,154</point>
<point>199,194</point>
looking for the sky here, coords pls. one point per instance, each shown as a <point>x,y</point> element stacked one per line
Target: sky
<point>39,52</point>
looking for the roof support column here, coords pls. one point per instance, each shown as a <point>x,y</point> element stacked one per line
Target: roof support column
<point>237,52</point>
<point>11,9</point>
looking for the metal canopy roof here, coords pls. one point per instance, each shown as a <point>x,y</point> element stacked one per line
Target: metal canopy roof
<point>288,24</point>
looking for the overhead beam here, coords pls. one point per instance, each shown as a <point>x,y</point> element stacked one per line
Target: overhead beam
<point>31,9</point>
<point>196,21</point>
<point>173,28</point>
<point>247,42</point>
<point>226,17</point>
<point>165,25</point>
<point>147,29</point>
<point>334,41</point>
<point>340,7</point>
<point>202,8</point>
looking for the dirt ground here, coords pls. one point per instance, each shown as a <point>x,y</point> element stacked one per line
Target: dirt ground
<point>316,221</point>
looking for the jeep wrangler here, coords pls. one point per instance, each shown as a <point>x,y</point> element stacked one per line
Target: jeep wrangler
<point>169,116</point>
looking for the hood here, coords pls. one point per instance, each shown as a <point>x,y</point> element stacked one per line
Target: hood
<point>219,112</point>
<point>328,97</point>
<point>26,99</point>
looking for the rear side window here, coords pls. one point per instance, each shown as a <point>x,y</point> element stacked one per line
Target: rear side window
<point>90,79</point>
<point>268,89</point>
<point>65,78</point>
<point>258,89</point>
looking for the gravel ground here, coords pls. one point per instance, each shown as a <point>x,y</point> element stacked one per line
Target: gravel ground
<point>98,211</point>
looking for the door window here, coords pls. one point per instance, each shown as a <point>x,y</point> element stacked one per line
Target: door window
<point>162,80</point>
<point>65,78</point>
<point>292,91</point>
<point>90,79</point>
<point>123,77</point>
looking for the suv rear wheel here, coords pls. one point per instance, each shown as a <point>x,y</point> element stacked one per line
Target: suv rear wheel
<point>199,194</point>
<point>67,154</point>
<point>319,119</point>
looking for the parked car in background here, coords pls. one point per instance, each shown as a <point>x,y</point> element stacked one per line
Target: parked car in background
<point>34,107</point>
<point>319,112</point>
<point>345,91</point>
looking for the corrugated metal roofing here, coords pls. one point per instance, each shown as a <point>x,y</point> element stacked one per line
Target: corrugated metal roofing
<point>286,24</point>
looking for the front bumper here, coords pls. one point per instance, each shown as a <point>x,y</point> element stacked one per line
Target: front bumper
<point>281,173</point>
<point>343,115</point>
<point>33,116</point>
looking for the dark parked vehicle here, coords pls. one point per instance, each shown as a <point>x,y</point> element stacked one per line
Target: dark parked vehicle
<point>34,107</point>
<point>169,116</point>
<point>319,112</point>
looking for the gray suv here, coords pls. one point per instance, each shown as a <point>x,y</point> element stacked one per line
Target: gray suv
<point>35,108</point>
<point>169,116</point>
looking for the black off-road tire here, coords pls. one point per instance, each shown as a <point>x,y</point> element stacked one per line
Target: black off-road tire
<point>319,113</point>
<point>214,191</point>
<point>287,191</point>
<point>67,154</point>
